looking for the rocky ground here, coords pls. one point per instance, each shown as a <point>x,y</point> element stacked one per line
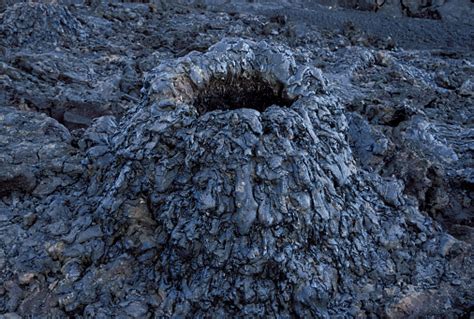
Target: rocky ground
<point>226,158</point>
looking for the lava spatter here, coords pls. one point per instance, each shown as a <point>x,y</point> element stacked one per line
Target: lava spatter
<point>259,209</point>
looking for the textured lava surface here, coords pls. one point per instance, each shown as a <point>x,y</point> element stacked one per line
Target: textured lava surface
<point>226,159</point>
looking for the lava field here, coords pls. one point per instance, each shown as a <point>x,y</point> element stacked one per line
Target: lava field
<point>231,158</point>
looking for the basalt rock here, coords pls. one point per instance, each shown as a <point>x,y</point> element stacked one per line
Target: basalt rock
<point>37,24</point>
<point>37,156</point>
<point>284,171</point>
<point>425,9</point>
<point>257,205</point>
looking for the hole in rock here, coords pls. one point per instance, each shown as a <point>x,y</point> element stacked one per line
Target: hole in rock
<point>234,92</point>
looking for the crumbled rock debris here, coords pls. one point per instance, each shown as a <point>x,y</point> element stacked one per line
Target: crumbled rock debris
<point>208,163</point>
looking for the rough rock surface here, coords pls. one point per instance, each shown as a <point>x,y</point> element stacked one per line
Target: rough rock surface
<point>428,9</point>
<point>213,164</point>
<point>36,154</point>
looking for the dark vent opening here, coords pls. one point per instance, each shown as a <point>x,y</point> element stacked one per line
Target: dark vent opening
<point>233,92</point>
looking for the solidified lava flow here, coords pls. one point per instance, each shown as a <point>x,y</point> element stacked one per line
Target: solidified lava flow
<point>274,172</point>
<point>259,212</point>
